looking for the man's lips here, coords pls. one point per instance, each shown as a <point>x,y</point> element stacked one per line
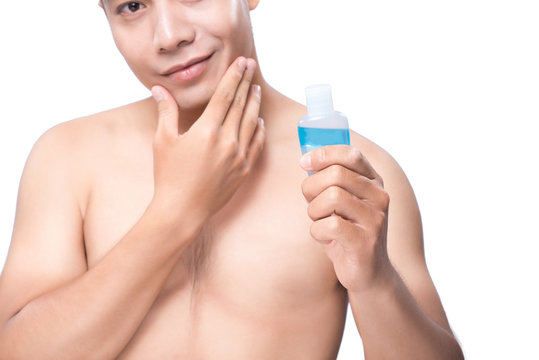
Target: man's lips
<point>186,65</point>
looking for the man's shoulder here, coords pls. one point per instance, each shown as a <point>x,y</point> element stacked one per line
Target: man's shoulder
<point>73,151</point>
<point>394,177</point>
<point>379,158</point>
<point>76,134</point>
<point>74,145</point>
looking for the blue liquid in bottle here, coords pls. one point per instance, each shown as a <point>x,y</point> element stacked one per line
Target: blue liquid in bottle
<point>322,125</point>
<point>311,138</point>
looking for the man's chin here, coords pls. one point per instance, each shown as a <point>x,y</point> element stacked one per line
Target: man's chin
<point>193,100</point>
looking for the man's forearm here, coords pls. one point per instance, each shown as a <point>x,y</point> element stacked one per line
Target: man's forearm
<point>392,325</point>
<point>96,314</point>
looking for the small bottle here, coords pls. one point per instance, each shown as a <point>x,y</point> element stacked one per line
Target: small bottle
<point>322,125</point>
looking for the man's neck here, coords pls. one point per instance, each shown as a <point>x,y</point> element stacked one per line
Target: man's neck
<point>188,117</point>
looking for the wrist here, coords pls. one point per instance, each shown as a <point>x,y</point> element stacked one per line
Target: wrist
<point>385,285</point>
<point>179,220</point>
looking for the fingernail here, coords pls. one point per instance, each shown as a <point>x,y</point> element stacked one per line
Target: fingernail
<point>261,121</point>
<point>257,90</point>
<point>305,161</point>
<point>157,94</point>
<point>242,63</point>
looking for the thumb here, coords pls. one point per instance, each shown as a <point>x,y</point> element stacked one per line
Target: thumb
<point>168,113</point>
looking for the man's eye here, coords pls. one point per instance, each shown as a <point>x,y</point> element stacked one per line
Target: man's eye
<point>129,8</point>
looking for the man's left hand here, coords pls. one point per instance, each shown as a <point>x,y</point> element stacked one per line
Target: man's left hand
<point>349,207</point>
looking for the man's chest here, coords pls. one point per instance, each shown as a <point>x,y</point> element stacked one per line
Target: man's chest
<point>258,245</point>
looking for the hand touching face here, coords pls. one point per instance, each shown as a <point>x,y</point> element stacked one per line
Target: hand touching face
<point>197,172</point>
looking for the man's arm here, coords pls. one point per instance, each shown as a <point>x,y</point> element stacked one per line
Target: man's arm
<point>51,305</point>
<point>378,258</point>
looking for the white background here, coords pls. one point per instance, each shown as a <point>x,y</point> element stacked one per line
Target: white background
<point>450,88</point>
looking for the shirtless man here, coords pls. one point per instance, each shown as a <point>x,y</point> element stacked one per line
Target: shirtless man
<point>182,227</point>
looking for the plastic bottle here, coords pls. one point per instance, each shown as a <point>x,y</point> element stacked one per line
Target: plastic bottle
<point>322,125</point>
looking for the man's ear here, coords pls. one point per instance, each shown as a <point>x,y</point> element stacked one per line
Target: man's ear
<point>253,4</point>
<point>102,6</point>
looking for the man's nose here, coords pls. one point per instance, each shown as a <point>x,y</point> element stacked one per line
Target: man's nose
<point>172,29</point>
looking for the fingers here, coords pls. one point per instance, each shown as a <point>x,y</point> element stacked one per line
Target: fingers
<point>225,94</point>
<point>235,113</point>
<point>257,144</point>
<point>335,228</point>
<point>344,155</point>
<point>345,185</point>
<point>167,123</point>
<point>335,200</point>
<point>249,120</point>
<point>337,175</point>
<point>339,190</point>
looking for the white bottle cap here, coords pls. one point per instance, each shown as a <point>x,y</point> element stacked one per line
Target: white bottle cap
<point>319,99</point>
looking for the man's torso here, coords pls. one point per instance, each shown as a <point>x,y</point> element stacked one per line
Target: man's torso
<point>253,285</point>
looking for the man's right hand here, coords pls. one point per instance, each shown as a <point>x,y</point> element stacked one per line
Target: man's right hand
<point>55,276</point>
<point>197,172</point>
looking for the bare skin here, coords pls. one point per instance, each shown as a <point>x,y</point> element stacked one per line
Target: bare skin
<point>147,240</point>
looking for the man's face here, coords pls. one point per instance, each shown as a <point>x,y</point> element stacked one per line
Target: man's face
<point>184,45</point>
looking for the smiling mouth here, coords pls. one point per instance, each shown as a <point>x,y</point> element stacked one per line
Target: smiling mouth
<point>187,67</point>
<point>189,72</point>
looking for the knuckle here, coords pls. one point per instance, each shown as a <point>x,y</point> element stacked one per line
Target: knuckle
<point>239,101</point>
<point>385,199</point>
<point>380,180</point>
<point>317,230</point>
<point>337,172</point>
<point>227,96</point>
<point>334,194</point>
<point>311,212</point>
<point>240,163</point>
<point>242,155</point>
<point>230,147</point>
<point>334,224</point>
<point>259,143</point>
<point>355,155</point>
<point>250,121</point>
<point>379,218</point>
<point>210,134</point>
<point>305,189</point>
<point>314,230</point>
<point>245,170</point>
